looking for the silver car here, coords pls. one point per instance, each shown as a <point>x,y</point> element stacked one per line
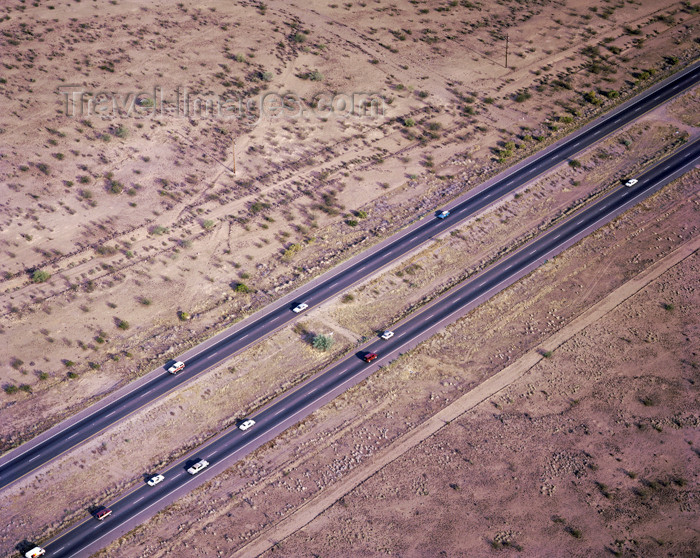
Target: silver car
<point>155,480</point>
<point>197,467</point>
<point>246,424</point>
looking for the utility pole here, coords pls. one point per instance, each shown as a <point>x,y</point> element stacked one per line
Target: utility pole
<point>506,50</point>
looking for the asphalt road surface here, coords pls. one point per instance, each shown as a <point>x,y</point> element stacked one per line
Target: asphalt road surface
<point>31,456</point>
<point>233,444</point>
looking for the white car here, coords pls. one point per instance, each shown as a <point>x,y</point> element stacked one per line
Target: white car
<point>175,368</point>
<point>197,467</point>
<point>387,335</point>
<point>631,182</point>
<point>35,552</point>
<point>246,424</point>
<point>156,480</point>
<point>300,308</point>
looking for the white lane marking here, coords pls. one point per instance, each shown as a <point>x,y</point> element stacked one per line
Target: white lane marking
<point>59,549</point>
<point>73,435</point>
<point>557,236</point>
<point>511,265</point>
<point>667,167</point>
<point>110,414</point>
<point>311,391</point>
<point>535,250</point>
<point>244,336</point>
<point>576,144</point>
<point>137,501</point>
<point>35,457</point>
<point>278,412</point>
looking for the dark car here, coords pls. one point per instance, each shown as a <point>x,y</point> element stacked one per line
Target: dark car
<point>369,357</point>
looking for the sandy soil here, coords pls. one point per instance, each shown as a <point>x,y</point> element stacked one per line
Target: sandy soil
<point>151,438</point>
<point>146,221</point>
<point>139,219</point>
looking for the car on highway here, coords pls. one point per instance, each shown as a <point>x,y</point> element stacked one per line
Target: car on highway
<point>369,357</point>
<point>631,182</point>
<point>101,514</point>
<point>246,424</point>
<point>35,552</point>
<point>442,214</point>
<point>176,367</point>
<point>197,467</point>
<point>157,479</point>
<point>387,335</point>
<point>300,307</point>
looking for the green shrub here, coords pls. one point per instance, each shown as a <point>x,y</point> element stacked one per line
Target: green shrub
<point>121,132</point>
<point>290,252</point>
<point>522,96</point>
<point>322,342</point>
<point>158,230</point>
<point>592,98</point>
<point>10,389</point>
<point>241,288</point>
<point>123,324</point>
<point>40,276</point>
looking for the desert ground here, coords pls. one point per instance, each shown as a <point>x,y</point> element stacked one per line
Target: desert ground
<point>127,238</point>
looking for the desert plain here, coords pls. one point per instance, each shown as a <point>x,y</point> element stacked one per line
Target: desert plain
<point>129,235</point>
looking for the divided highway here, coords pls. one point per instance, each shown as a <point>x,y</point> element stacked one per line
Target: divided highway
<point>233,444</point>
<point>29,457</point>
